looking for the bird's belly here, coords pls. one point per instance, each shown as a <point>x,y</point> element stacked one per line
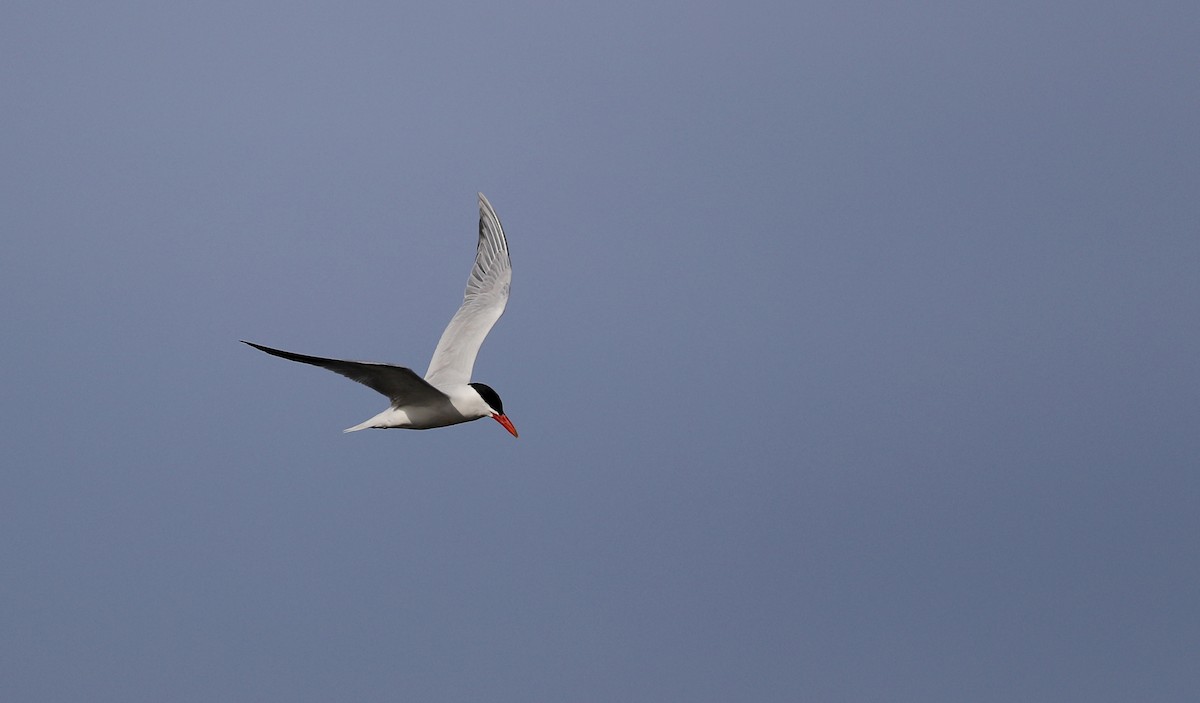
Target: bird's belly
<point>420,418</point>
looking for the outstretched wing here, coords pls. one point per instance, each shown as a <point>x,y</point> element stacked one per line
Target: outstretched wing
<point>401,385</point>
<point>486,296</point>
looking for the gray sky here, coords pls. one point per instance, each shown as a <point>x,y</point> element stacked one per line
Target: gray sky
<point>853,348</point>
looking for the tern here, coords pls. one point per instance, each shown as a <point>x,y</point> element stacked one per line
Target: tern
<point>445,396</point>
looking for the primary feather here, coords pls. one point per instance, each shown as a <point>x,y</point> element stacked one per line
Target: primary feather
<point>483,303</point>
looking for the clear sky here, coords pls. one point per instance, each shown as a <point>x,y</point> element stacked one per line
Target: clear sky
<point>853,345</point>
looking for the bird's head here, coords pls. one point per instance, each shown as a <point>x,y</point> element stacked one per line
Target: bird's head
<point>495,406</point>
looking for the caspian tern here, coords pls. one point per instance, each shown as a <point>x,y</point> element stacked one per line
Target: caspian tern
<point>445,396</point>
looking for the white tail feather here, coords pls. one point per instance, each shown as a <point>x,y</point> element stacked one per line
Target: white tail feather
<point>388,418</point>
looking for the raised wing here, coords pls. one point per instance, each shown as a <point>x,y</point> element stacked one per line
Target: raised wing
<point>401,385</point>
<point>486,296</point>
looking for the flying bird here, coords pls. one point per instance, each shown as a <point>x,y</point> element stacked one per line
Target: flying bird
<point>445,396</point>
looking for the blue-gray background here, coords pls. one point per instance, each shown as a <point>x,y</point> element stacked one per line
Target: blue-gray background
<point>853,346</point>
